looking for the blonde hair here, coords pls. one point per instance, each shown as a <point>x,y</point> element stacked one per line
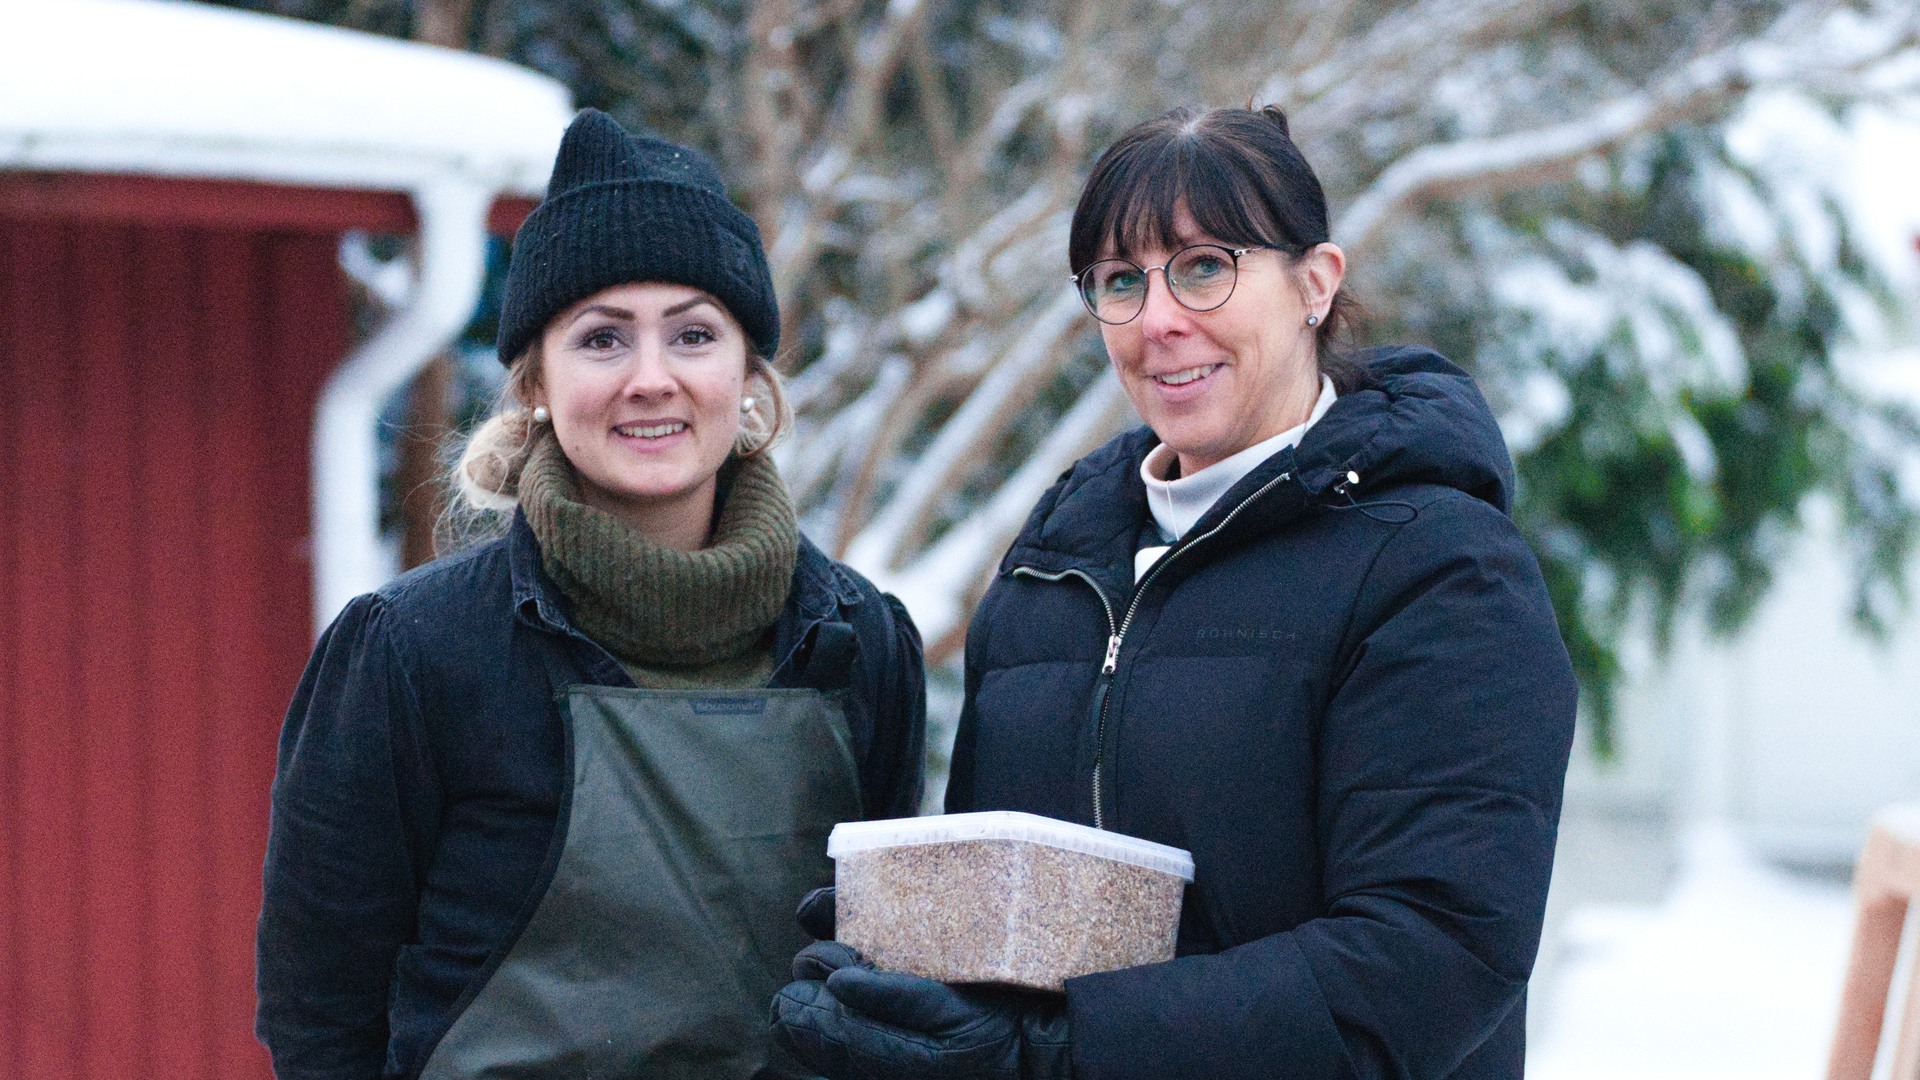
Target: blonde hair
<point>486,478</point>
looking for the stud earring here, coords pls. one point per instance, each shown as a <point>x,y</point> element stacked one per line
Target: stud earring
<point>746,404</point>
<point>541,415</point>
<point>1313,320</point>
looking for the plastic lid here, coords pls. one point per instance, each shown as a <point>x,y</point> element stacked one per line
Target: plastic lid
<point>856,836</point>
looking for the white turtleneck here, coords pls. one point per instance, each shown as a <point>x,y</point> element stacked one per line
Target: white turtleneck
<point>1177,504</point>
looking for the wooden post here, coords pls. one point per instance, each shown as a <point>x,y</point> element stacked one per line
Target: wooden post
<point>1884,883</point>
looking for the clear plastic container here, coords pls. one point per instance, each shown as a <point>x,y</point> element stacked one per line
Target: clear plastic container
<point>1004,897</point>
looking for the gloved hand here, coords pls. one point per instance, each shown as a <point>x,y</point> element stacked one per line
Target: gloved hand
<point>815,914</point>
<point>850,1022</point>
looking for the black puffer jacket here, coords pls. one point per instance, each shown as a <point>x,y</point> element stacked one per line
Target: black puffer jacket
<point>1357,717</point>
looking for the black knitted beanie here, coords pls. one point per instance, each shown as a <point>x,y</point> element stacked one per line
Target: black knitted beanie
<point>623,208</point>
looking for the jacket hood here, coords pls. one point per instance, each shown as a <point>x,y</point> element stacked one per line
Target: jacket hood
<point>1416,419</point>
<point>1419,420</point>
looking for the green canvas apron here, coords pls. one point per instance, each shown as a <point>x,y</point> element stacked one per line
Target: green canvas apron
<point>695,822</point>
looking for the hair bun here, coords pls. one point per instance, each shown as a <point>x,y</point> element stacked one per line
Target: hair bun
<point>1279,116</point>
<point>488,474</point>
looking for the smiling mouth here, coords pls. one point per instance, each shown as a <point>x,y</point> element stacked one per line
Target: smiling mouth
<point>652,431</point>
<point>1181,378</point>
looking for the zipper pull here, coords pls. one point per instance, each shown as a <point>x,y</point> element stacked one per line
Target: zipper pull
<point>1113,655</point>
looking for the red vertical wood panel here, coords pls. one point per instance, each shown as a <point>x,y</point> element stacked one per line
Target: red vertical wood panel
<point>49,898</point>
<point>12,938</point>
<point>235,453</point>
<point>221,263</point>
<point>310,321</point>
<point>170,432</point>
<point>110,674</point>
<point>299,338</point>
<point>306,331</point>
<point>154,615</point>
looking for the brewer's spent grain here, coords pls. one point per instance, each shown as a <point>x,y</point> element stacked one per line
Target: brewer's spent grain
<point>1004,911</point>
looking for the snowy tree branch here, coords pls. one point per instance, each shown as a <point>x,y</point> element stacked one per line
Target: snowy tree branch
<point>937,586</point>
<point>1011,384</point>
<point>1524,158</point>
<point>1429,34</point>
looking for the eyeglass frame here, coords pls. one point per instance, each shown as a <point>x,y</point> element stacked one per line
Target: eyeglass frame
<point>1166,278</point>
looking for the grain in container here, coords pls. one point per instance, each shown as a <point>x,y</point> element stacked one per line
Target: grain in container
<point>1004,897</point>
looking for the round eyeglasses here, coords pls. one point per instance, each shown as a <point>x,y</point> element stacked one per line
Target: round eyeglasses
<point>1200,277</point>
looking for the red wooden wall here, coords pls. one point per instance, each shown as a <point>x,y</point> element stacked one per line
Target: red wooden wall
<point>157,389</point>
<point>163,344</point>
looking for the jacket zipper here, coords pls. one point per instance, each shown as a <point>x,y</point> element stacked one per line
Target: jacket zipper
<point>1107,667</point>
<point>1117,632</point>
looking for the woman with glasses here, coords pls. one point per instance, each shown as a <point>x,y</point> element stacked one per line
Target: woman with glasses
<point>1287,625</point>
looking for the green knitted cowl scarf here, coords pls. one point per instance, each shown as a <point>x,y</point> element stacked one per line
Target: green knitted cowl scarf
<point>674,619</point>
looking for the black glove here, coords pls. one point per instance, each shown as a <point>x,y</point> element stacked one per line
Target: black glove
<point>815,914</point>
<point>850,1022</point>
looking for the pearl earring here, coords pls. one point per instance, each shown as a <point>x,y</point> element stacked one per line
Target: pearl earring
<point>541,415</point>
<point>1313,320</point>
<point>746,404</point>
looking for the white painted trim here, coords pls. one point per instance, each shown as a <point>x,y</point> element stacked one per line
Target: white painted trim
<point>348,558</point>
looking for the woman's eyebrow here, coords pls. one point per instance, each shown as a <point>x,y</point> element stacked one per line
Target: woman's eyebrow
<point>626,315</point>
<point>601,309</point>
<point>685,305</point>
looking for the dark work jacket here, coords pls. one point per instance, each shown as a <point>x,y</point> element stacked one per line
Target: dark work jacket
<point>420,780</point>
<point>1356,718</point>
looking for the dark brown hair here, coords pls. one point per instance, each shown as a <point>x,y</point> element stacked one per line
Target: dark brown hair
<point>1238,172</point>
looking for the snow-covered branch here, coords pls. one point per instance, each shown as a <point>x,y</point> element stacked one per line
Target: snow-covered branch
<point>965,273</point>
<point>807,465</point>
<point>938,586</point>
<point>1007,388</point>
<point>837,144</point>
<point>1530,157</point>
<point>1425,37</point>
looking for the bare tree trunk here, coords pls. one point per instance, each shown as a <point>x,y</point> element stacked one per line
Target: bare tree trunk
<point>417,477</point>
<point>429,405</point>
<point>444,22</point>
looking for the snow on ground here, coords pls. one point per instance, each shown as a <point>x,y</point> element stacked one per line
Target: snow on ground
<point>1734,974</point>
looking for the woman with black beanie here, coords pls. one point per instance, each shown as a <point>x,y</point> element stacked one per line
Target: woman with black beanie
<point>544,809</point>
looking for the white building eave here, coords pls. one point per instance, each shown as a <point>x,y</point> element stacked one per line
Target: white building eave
<point>169,88</point>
